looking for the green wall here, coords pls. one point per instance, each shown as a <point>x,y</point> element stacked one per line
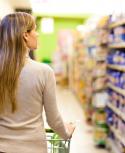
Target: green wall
<point>48,42</point>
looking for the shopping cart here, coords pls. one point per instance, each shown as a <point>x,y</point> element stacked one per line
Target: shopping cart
<point>56,144</point>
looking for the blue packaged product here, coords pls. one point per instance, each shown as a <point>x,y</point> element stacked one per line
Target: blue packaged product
<point>117,78</point>
<point>108,60</point>
<point>117,101</point>
<point>109,118</point>
<point>122,59</point>
<point>122,81</point>
<point>116,57</point>
<point>123,34</point>
<point>112,57</point>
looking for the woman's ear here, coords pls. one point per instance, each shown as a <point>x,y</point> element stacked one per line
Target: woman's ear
<point>25,36</point>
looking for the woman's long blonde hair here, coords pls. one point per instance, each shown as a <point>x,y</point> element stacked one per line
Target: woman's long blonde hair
<point>13,50</point>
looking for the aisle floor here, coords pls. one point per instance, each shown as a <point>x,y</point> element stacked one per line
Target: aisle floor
<point>71,111</point>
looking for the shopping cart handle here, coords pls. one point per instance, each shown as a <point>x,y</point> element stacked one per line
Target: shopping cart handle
<point>49,131</point>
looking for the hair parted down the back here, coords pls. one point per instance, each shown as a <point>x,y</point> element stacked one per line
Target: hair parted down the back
<point>13,51</point>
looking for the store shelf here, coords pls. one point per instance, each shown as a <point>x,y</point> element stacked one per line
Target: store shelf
<point>117,111</point>
<point>117,45</point>
<point>116,67</point>
<point>99,89</point>
<point>111,145</point>
<point>100,122</point>
<point>100,129</point>
<point>118,135</point>
<point>116,24</point>
<point>99,107</point>
<point>100,59</point>
<point>99,76</point>
<point>113,47</point>
<point>103,43</point>
<point>116,89</point>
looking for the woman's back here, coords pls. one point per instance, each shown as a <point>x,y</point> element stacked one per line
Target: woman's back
<point>25,126</point>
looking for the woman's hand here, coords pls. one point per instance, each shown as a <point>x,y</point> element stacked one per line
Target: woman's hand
<point>70,128</point>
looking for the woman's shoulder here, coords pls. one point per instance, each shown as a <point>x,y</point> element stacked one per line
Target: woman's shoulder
<point>40,66</point>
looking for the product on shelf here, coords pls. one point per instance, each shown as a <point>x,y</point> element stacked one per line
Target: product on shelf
<point>102,51</point>
<point>116,58</point>
<point>99,121</point>
<point>98,101</point>
<point>117,78</point>
<point>99,84</point>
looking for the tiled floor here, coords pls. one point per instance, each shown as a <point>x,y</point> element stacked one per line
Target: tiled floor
<point>82,140</point>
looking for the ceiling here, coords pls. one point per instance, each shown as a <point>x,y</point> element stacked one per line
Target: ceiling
<point>19,3</point>
<point>70,6</point>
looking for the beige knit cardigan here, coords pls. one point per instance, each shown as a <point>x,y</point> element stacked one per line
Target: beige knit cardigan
<point>23,131</point>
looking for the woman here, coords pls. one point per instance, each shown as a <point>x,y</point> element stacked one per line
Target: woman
<point>26,86</point>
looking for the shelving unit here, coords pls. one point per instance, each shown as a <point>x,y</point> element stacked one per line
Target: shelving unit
<point>116,89</point>
<point>99,76</point>
<point>116,68</point>
<point>76,68</point>
<point>99,85</point>
<point>116,24</point>
<point>95,90</point>
<point>117,111</point>
<point>112,147</point>
<point>100,59</point>
<point>117,45</point>
<point>61,56</point>
<point>118,135</point>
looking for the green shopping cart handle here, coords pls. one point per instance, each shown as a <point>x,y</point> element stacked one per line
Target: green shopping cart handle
<point>49,131</point>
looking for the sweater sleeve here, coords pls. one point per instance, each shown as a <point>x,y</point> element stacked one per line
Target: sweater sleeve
<point>53,116</point>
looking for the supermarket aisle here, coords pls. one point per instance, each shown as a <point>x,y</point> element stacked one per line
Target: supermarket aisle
<point>82,141</point>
